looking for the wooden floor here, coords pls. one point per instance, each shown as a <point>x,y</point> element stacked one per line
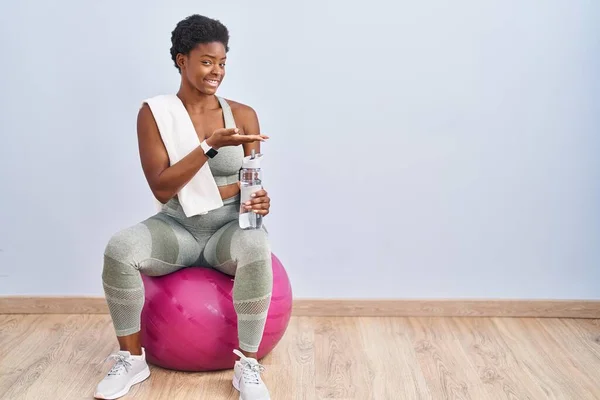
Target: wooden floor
<point>61,357</point>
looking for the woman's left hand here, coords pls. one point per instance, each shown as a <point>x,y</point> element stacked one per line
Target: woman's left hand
<point>259,203</point>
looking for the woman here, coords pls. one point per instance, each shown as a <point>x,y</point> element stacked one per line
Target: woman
<point>169,240</point>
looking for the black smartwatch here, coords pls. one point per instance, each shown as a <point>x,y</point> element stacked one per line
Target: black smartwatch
<point>209,151</point>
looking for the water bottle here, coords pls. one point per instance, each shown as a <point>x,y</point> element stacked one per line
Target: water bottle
<point>250,182</point>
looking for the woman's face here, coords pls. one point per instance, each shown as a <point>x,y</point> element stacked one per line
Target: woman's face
<point>204,67</point>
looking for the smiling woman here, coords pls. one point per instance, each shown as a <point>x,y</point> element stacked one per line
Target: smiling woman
<point>173,239</point>
<point>206,66</point>
<point>199,48</point>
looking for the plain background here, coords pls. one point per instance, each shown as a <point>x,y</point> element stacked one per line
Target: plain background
<point>418,149</point>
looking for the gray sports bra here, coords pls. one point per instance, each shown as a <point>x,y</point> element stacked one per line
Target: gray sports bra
<point>225,166</point>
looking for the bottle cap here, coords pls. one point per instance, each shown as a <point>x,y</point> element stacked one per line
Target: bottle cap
<point>252,161</point>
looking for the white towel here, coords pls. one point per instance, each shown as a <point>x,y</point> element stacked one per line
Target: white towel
<point>200,194</point>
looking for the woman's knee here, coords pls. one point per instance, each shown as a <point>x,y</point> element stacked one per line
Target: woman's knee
<point>254,275</point>
<point>253,246</point>
<point>123,252</point>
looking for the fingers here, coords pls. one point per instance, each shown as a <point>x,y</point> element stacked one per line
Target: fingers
<point>261,212</point>
<point>227,131</point>
<point>240,139</point>
<point>235,132</point>
<point>253,138</point>
<point>260,203</point>
<point>232,137</point>
<point>259,193</point>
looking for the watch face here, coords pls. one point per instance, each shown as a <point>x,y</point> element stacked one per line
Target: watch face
<point>211,153</point>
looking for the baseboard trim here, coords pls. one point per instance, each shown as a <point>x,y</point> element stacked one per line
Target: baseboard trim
<point>449,308</point>
<point>347,307</point>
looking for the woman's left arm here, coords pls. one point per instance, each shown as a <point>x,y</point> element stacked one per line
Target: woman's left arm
<point>260,202</point>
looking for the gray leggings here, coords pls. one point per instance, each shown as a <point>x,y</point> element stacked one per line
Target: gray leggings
<point>169,241</point>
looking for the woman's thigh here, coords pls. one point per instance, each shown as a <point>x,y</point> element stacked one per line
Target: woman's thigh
<point>230,247</point>
<point>156,246</point>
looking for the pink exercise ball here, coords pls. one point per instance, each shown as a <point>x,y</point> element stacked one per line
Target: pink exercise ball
<point>189,323</point>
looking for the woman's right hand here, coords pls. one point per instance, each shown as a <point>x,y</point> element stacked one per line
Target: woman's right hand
<point>231,137</point>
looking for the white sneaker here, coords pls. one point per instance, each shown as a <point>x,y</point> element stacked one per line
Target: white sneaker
<point>246,378</point>
<point>127,371</point>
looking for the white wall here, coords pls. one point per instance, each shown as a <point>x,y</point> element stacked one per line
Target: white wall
<point>418,150</point>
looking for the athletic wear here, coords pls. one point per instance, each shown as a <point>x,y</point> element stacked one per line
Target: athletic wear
<point>168,241</point>
<point>227,163</point>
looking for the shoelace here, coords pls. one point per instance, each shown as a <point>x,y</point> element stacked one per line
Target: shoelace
<point>251,372</point>
<point>122,364</point>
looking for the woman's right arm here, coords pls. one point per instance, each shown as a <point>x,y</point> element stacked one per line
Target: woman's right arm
<point>164,180</point>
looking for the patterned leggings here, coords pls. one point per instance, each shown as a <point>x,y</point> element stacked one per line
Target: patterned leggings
<point>169,241</point>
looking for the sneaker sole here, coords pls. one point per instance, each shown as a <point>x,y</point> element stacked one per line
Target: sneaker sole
<point>236,385</point>
<point>140,377</point>
<point>264,398</point>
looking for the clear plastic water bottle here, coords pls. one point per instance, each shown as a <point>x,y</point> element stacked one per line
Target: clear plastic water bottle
<point>250,182</point>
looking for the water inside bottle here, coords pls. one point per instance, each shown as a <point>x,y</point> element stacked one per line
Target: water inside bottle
<point>248,219</point>
<point>250,182</point>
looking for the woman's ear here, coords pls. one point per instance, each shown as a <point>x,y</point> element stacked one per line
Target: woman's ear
<point>181,60</point>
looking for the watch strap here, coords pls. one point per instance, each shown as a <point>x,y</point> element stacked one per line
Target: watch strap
<point>209,151</point>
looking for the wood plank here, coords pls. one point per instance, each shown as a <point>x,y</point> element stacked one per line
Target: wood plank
<point>56,381</point>
<point>391,359</point>
<point>293,362</point>
<point>340,371</point>
<point>574,353</point>
<point>587,331</point>
<point>27,355</point>
<point>447,308</point>
<point>497,364</point>
<point>52,305</point>
<point>347,307</point>
<point>544,362</point>
<point>444,364</point>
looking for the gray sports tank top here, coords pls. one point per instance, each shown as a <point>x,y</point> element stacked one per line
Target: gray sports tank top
<point>225,166</point>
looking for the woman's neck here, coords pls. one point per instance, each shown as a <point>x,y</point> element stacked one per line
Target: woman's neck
<point>196,101</point>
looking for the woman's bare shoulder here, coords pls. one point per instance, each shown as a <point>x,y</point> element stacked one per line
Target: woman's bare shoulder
<point>244,115</point>
<point>242,109</point>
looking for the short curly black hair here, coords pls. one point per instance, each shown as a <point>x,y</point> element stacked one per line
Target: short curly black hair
<point>194,30</point>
